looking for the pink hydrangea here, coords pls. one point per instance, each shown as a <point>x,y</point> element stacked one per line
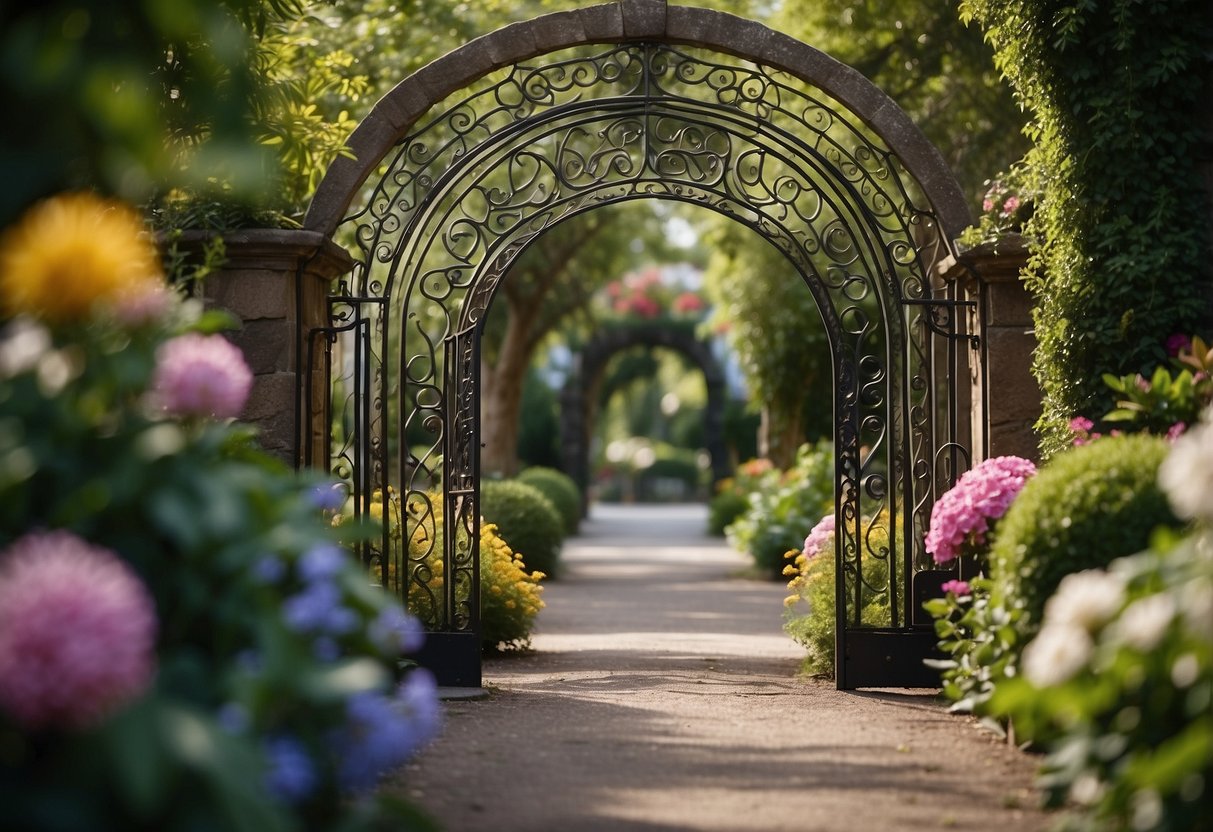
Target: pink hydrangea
<point>201,375</point>
<point>980,496</point>
<point>819,538</point>
<point>957,587</point>
<point>1081,426</point>
<point>77,632</point>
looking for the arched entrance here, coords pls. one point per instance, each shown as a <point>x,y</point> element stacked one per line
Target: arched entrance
<point>575,398</point>
<point>465,163</point>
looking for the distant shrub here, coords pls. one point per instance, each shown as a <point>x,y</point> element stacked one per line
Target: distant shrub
<point>724,508</point>
<point>526,519</point>
<point>784,507</point>
<point>561,490</point>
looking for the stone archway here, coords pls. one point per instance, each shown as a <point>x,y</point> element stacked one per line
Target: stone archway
<point>462,166</point>
<point>591,361</point>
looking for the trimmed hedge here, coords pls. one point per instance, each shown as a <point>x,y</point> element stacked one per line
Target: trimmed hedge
<point>526,520</point>
<point>560,489</point>
<point>1087,507</point>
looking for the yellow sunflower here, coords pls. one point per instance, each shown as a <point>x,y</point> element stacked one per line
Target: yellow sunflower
<point>72,253</point>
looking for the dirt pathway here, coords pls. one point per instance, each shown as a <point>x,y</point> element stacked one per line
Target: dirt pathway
<point>662,695</point>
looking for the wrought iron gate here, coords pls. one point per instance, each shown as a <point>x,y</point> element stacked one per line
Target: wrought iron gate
<point>485,172</point>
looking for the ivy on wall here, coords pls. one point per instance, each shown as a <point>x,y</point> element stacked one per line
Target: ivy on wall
<point>1117,91</point>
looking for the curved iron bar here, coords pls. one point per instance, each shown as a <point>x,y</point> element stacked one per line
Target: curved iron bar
<point>827,194</point>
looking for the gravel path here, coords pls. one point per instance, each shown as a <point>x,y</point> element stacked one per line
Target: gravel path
<point>662,695</point>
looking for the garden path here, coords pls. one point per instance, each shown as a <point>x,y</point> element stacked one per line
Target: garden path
<point>662,695</point>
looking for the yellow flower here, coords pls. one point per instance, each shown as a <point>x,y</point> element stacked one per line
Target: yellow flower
<point>791,569</point>
<point>70,254</point>
<point>791,600</point>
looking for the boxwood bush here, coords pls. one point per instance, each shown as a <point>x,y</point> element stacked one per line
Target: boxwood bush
<point>1088,506</point>
<point>526,519</point>
<point>561,490</point>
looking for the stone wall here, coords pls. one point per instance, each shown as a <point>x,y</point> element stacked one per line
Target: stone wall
<point>1005,398</point>
<point>276,281</point>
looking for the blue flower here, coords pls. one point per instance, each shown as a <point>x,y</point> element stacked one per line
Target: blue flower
<point>269,569</point>
<point>394,631</point>
<point>318,609</point>
<point>290,773</point>
<point>233,718</point>
<point>327,497</point>
<point>382,732</point>
<point>326,649</point>
<point>322,562</point>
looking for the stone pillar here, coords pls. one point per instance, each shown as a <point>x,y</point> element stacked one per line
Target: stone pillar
<point>276,282</point>
<point>1006,400</point>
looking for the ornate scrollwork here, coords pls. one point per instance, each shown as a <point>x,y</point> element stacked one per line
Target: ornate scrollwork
<point>534,145</point>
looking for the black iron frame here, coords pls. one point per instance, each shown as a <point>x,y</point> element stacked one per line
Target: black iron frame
<point>484,174</point>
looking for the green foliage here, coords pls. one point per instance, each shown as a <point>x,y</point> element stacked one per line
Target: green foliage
<point>784,507</point>
<point>1168,397</point>
<point>225,539</point>
<point>1117,95</point>
<point>726,506</point>
<point>539,423</point>
<point>561,490</point>
<point>1128,725</point>
<point>1088,506</point>
<point>979,637</point>
<point>1008,204</point>
<point>526,520</point>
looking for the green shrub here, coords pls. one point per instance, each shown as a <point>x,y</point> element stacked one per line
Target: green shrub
<point>526,519</point>
<point>1088,506</point>
<point>785,507</point>
<point>561,490</point>
<point>724,508</point>
<point>1117,693</point>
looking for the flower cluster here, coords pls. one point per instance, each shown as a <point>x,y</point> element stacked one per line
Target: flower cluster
<point>77,632</point>
<point>382,731</point>
<point>962,516</point>
<point>1006,207</point>
<point>510,596</point>
<point>647,295</point>
<point>820,537</point>
<point>1187,473</point>
<point>201,375</point>
<point>53,268</point>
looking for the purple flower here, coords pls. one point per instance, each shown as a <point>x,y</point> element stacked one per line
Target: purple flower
<point>77,632</point>
<point>201,375</point>
<point>326,649</point>
<point>820,537</point>
<point>290,773</point>
<point>321,562</point>
<point>382,732</point>
<point>233,718</point>
<point>980,496</point>
<point>1177,343</point>
<point>394,631</point>
<point>958,587</point>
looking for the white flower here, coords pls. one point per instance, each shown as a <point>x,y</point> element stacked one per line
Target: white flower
<point>1086,599</point>
<point>1057,653</point>
<point>1186,670</point>
<point>1144,622</point>
<point>23,345</point>
<point>1187,473</point>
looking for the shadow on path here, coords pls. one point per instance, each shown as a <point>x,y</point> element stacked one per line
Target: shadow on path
<point>661,694</point>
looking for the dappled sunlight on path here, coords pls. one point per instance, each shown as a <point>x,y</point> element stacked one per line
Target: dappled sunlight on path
<point>662,695</point>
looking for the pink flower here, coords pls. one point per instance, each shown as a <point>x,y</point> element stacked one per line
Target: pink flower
<point>147,305</point>
<point>981,495</point>
<point>1009,207</point>
<point>1081,424</point>
<point>1177,343</point>
<point>201,375</point>
<point>1176,430</point>
<point>687,302</point>
<point>820,537</point>
<point>958,587</point>
<point>987,205</point>
<point>77,632</point>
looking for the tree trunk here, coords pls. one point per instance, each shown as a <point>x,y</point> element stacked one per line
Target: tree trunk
<point>780,434</point>
<point>501,398</point>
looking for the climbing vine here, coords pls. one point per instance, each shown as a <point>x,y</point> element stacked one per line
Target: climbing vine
<point>1120,252</point>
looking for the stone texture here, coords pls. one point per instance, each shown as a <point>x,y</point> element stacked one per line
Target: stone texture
<point>266,344</point>
<point>643,18</point>
<point>250,294</point>
<point>602,24</point>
